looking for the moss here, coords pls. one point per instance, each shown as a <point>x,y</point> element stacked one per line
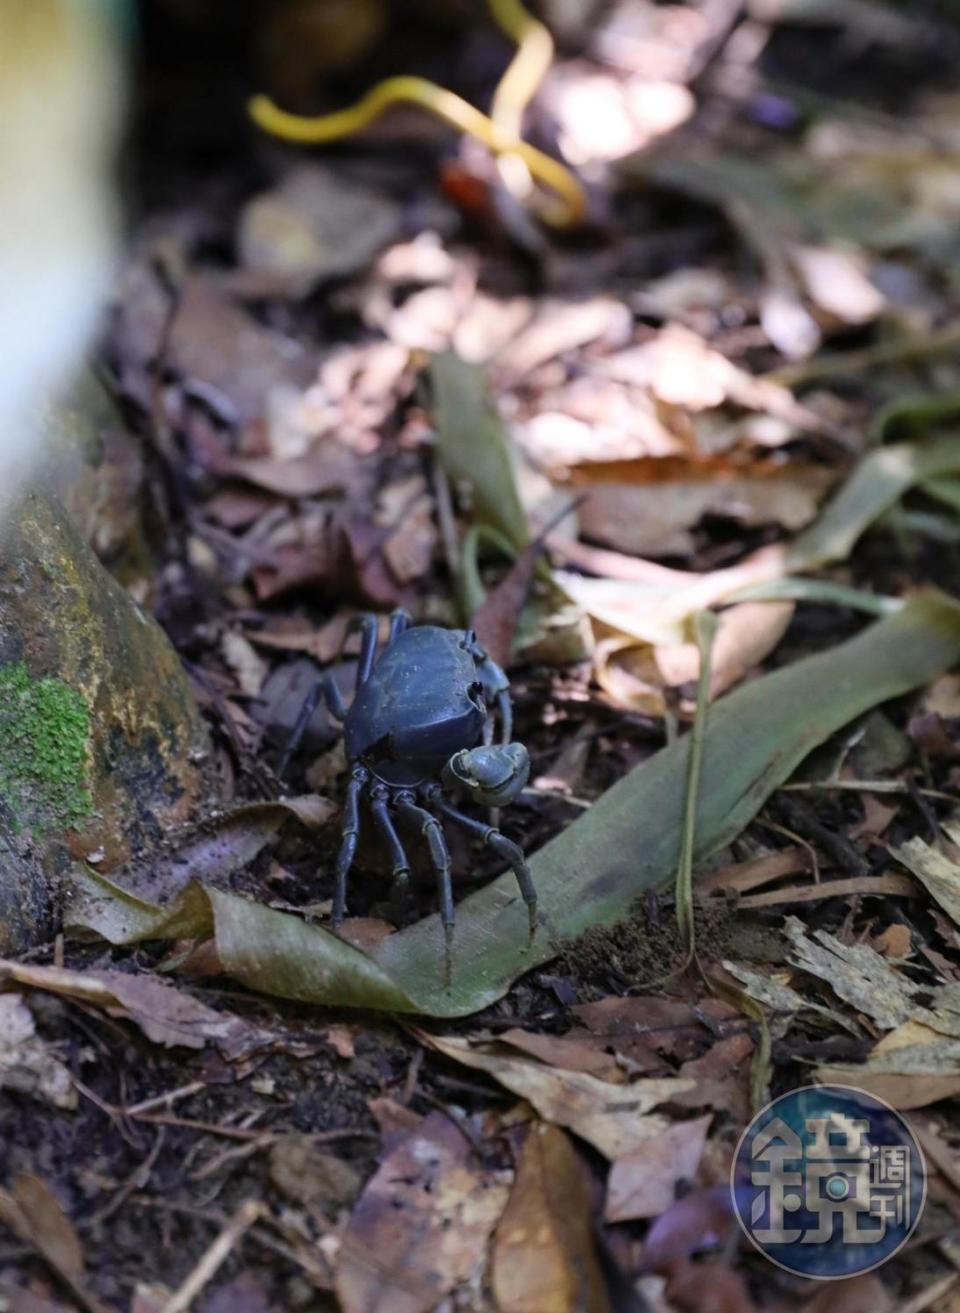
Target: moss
<point>44,751</point>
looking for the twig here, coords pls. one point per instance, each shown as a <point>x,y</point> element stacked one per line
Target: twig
<point>842,364</point>
<point>250,1211</point>
<point>865,786</point>
<point>137,1180</point>
<point>165,1100</point>
<point>887,886</point>
<point>796,838</point>
<point>705,627</point>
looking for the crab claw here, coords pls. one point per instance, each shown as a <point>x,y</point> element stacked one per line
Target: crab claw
<point>491,775</point>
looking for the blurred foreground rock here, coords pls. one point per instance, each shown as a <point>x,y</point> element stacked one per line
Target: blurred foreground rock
<point>102,749</point>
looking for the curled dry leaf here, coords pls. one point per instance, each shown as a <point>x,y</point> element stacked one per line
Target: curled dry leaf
<point>421,1226</point>
<point>165,1015</point>
<point>652,516</point>
<point>561,326</point>
<point>746,634</point>
<point>210,853</point>
<point>654,604</point>
<point>613,1118</point>
<point>544,1253</point>
<point>682,370</point>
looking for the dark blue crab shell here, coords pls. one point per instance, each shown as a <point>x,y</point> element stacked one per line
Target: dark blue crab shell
<point>422,703</point>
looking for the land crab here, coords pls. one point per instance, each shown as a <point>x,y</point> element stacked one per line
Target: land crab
<point>421,726</point>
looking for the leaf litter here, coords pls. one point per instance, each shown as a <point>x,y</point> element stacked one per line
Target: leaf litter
<point>269,333</point>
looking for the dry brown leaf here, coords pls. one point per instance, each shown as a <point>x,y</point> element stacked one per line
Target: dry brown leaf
<point>895,941</point>
<point>653,517</point>
<point>644,1183</point>
<point>861,1294</point>
<point>33,1213</point>
<point>746,634</point>
<point>48,1227</point>
<point>613,1118</point>
<point>561,326</point>
<point>943,697</point>
<point>680,369</point>
<point>755,871</point>
<point>166,1015</point>
<point>877,816</point>
<point>544,1254</point>
<point>912,1066</point>
<point>876,886</point>
<point>901,1090</point>
<point>573,1052</point>
<point>27,1063</point>
<point>329,467</point>
<point>629,675</point>
<point>722,1077</point>
<point>640,1026</point>
<point>219,347</point>
<point>422,1224</point>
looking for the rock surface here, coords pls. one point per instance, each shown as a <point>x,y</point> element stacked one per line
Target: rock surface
<point>102,748</point>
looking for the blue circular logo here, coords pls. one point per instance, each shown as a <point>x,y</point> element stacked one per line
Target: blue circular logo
<point>828,1181</point>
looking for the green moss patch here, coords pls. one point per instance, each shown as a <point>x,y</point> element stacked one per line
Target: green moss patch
<point>44,751</point>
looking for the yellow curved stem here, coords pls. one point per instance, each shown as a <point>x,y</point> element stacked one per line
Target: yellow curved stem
<point>500,133</point>
<point>526,70</point>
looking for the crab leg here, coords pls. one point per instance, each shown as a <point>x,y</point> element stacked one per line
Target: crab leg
<point>400,862</point>
<point>399,621</point>
<point>368,649</point>
<point>326,689</point>
<point>512,853</point>
<point>432,831</point>
<point>350,830</point>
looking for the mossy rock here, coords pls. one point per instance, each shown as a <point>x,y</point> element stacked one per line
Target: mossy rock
<point>102,749</point>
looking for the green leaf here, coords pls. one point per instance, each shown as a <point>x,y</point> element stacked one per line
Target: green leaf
<point>878,483</point>
<point>474,448</point>
<point>594,871</point>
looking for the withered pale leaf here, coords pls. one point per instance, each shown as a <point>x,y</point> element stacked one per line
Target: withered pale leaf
<point>613,1118</point>
<point>855,972</point>
<point>936,873</point>
<point>421,1225</point>
<point>643,1183</point>
<point>27,1063</point>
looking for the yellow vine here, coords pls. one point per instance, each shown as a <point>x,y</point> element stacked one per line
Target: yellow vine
<point>500,132</point>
